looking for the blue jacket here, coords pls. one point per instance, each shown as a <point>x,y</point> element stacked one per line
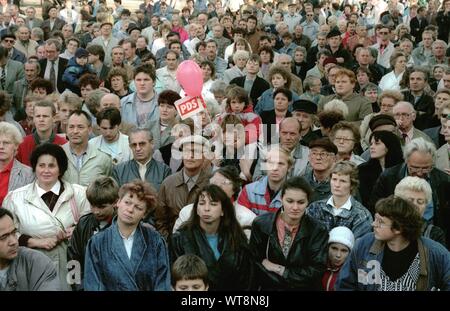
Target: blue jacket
<point>129,112</point>
<point>107,267</point>
<point>265,102</point>
<point>362,269</point>
<point>72,75</point>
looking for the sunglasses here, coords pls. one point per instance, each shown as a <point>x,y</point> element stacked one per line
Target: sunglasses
<point>9,40</point>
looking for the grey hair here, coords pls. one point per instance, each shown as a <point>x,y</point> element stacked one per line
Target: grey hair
<point>301,49</point>
<point>240,54</point>
<point>219,86</point>
<point>405,103</point>
<point>337,105</point>
<point>442,42</point>
<point>38,32</point>
<point>280,25</point>
<point>140,130</point>
<point>420,145</point>
<point>309,81</point>
<point>415,184</point>
<point>7,129</point>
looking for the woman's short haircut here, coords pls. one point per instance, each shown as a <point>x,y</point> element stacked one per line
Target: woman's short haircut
<point>118,72</point>
<point>111,114</point>
<point>211,66</point>
<point>53,150</point>
<point>397,96</point>
<point>393,58</point>
<point>403,214</point>
<point>309,82</point>
<point>301,49</point>
<point>143,191</point>
<point>350,169</point>
<point>420,145</point>
<point>189,267</point>
<point>415,184</point>
<point>281,71</point>
<point>168,97</point>
<point>89,79</point>
<point>240,54</point>
<point>232,174</point>
<point>267,50</point>
<point>297,183</point>
<point>40,83</point>
<point>329,118</point>
<point>97,50</point>
<point>103,190</point>
<point>237,93</point>
<point>9,130</point>
<point>344,125</point>
<point>337,105</point>
<point>286,92</point>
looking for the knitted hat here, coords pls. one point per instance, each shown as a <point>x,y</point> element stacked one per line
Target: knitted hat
<point>342,235</point>
<point>305,106</point>
<point>81,53</point>
<point>329,60</point>
<point>381,119</point>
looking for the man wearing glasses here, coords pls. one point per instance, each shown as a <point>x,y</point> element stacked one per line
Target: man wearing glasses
<point>8,41</point>
<point>384,47</point>
<point>419,157</point>
<point>395,257</point>
<point>322,155</point>
<point>404,115</point>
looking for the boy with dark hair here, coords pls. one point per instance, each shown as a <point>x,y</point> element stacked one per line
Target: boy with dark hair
<point>102,195</point>
<point>395,257</point>
<point>189,273</point>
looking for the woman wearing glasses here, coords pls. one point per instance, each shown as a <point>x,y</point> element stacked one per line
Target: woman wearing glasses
<point>395,257</point>
<point>346,138</point>
<point>341,208</point>
<point>289,246</point>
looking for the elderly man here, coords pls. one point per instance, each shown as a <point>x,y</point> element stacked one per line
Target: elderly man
<point>86,162</point>
<point>420,162</point>
<point>22,87</point>
<point>290,129</point>
<point>8,42</point>
<point>13,174</point>
<point>181,188</point>
<point>384,47</point>
<point>142,166</point>
<point>439,49</point>
<point>442,159</point>
<point>10,71</point>
<point>53,67</point>
<point>53,23</point>
<point>24,44</point>
<point>167,75</point>
<point>106,41</point>
<point>285,61</point>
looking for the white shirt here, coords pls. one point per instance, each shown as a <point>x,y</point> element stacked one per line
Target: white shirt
<point>55,189</point>
<point>143,169</point>
<point>337,210</point>
<point>390,81</point>
<point>48,67</point>
<point>128,242</point>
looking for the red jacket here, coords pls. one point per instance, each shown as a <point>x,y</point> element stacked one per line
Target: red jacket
<point>329,278</point>
<point>250,120</point>
<point>29,144</point>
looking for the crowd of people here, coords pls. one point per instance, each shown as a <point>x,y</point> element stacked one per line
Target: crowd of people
<point>320,161</point>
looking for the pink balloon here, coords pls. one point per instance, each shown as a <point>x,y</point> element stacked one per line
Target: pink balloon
<point>190,77</point>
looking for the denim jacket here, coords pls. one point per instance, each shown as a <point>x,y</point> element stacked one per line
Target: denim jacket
<point>362,269</point>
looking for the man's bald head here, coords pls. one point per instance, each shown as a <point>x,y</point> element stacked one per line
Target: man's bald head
<point>110,100</point>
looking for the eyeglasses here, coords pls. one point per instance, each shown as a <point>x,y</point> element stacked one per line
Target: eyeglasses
<point>424,170</point>
<point>379,223</point>
<point>383,33</point>
<point>322,155</point>
<point>402,115</point>
<point>9,40</point>
<point>344,139</point>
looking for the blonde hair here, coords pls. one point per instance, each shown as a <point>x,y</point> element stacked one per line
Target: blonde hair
<point>337,105</point>
<point>7,129</point>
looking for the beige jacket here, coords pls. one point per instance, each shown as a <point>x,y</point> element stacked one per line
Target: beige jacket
<point>442,160</point>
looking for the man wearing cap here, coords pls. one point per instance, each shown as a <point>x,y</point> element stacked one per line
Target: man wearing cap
<point>343,57</point>
<point>53,23</point>
<point>106,41</point>
<point>181,188</point>
<point>8,41</point>
<point>303,110</point>
<point>322,156</point>
<point>292,18</point>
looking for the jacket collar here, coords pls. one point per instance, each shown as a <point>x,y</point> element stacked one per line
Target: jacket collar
<point>179,179</point>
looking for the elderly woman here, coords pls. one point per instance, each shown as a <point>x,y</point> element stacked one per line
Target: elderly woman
<point>240,60</point>
<point>47,210</point>
<point>289,246</point>
<point>278,78</point>
<point>299,65</point>
<point>311,87</point>
<point>391,81</point>
<point>342,209</point>
<point>346,137</point>
<point>418,191</point>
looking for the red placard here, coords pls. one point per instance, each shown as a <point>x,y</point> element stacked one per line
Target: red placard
<point>189,106</point>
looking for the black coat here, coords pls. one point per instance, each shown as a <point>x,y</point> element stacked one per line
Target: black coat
<point>269,118</point>
<point>259,86</point>
<point>424,109</point>
<point>232,271</point>
<point>368,175</point>
<point>62,64</point>
<point>439,182</point>
<point>305,263</point>
<point>417,28</point>
<point>87,226</point>
<point>442,21</point>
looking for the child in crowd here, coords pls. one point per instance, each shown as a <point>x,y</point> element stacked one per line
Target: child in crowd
<point>77,66</point>
<point>340,244</point>
<point>102,194</point>
<point>189,273</point>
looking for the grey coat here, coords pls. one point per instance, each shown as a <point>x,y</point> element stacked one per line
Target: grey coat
<point>32,271</point>
<point>21,175</point>
<point>128,171</point>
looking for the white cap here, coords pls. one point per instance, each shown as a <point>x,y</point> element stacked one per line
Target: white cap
<point>342,235</point>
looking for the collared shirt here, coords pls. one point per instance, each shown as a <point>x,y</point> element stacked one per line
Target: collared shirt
<point>248,84</point>
<point>338,210</point>
<point>55,189</point>
<point>282,227</point>
<point>128,242</point>
<point>4,180</point>
<point>48,68</point>
<point>190,181</point>
<point>143,168</point>
<point>79,159</point>
<point>409,135</point>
